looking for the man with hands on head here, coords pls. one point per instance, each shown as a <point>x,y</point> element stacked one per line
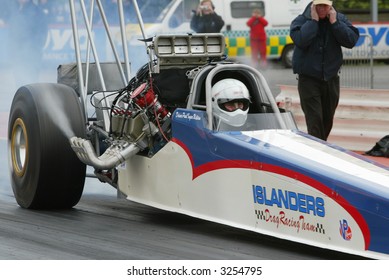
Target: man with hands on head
<point>319,35</point>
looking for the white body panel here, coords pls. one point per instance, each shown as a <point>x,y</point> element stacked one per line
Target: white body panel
<point>226,195</point>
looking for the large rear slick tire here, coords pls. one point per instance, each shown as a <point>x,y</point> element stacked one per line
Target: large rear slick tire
<point>45,172</point>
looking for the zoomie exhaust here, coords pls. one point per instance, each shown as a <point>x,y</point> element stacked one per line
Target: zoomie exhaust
<point>116,154</point>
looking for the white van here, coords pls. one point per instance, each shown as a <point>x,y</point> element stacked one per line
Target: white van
<point>175,18</point>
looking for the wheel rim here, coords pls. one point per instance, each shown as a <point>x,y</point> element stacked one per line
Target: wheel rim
<point>19,147</point>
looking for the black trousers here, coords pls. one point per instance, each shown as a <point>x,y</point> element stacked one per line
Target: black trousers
<point>319,100</point>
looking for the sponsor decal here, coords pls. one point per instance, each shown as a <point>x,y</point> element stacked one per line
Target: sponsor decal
<point>345,230</point>
<point>299,202</point>
<point>379,34</point>
<point>297,210</point>
<point>187,116</point>
<point>282,219</point>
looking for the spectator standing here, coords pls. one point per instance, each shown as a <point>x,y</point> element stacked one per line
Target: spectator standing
<point>257,24</point>
<point>205,19</point>
<point>318,35</point>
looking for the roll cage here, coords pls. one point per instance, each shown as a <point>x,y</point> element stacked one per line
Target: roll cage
<point>201,56</point>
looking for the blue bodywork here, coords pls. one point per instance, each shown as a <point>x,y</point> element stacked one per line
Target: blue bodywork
<point>208,150</point>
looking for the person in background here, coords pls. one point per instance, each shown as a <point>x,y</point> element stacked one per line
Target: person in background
<point>205,19</point>
<point>319,35</point>
<point>257,24</point>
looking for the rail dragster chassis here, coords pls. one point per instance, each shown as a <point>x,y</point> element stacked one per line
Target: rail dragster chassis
<point>153,138</point>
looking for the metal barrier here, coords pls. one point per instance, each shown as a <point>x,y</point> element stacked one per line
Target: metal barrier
<point>357,69</point>
<point>361,119</point>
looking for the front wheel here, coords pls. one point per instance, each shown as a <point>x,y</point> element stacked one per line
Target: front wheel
<point>45,172</point>
<point>287,56</point>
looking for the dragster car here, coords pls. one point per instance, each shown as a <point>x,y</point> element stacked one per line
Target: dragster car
<point>156,140</point>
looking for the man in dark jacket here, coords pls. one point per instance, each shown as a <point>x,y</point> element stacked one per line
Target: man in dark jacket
<point>318,35</point>
<point>205,20</point>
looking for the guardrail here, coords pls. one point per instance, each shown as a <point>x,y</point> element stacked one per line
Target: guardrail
<point>361,119</point>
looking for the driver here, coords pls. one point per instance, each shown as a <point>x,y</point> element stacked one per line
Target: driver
<point>230,102</point>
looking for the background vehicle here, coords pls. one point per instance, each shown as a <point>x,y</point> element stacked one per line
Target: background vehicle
<point>176,19</point>
<point>153,139</point>
<point>175,16</point>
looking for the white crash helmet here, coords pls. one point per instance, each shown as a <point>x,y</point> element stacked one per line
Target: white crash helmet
<point>228,90</point>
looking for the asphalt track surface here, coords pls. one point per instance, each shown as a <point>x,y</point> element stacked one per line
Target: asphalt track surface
<point>104,227</point>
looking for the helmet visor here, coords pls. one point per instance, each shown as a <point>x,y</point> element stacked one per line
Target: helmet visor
<point>234,104</point>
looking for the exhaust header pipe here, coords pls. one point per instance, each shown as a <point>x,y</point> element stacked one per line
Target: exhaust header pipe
<point>116,154</point>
